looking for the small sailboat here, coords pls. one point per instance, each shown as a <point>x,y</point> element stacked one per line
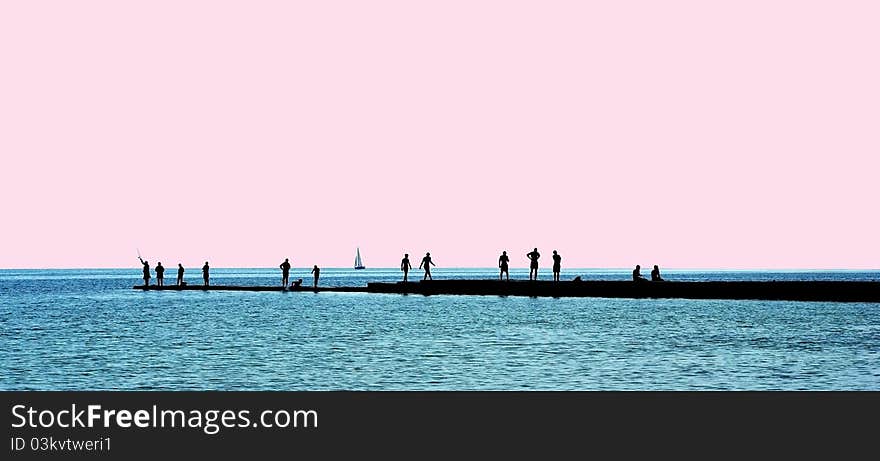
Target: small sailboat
<point>358,264</point>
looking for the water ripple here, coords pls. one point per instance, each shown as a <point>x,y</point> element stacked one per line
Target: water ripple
<point>91,331</point>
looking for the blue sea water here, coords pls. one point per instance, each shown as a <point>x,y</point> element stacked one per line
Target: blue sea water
<point>89,330</point>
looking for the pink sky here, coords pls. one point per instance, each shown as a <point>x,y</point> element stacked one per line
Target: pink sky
<point>690,134</point>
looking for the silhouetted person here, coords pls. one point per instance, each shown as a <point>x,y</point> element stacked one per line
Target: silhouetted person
<point>317,271</point>
<point>427,263</point>
<point>179,274</point>
<point>160,274</point>
<point>405,266</point>
<point>503,261</point>
<point>146,271</point>
<point>533,266</point>
<point>285,272</point>
<point>205,273</point>
<point>557,265</point>
<point>637,274</point>
<point>655,274</point>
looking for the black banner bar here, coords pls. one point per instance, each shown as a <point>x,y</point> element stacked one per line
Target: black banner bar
<point>126,425</point>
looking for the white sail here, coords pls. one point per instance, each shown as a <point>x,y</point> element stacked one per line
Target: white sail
<point>358,264</point>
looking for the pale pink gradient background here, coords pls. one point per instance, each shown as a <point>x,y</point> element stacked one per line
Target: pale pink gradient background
<point>690,134</point>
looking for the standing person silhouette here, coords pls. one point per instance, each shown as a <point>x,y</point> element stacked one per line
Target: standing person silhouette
<point>160,275</point>
<point>533,266</point>
<point>317,271</point>
<point>179,274</point>
<point>146,265</point>
<point>427,263</point>
<point>405,266</point>
<point>637,274</point>
<point>557,265</point>
<point>285,272</point>
<point>655,274</point>
<point>503,261</point>
<point>205,271</point>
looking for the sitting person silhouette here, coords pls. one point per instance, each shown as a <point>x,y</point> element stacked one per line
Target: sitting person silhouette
<point>637,274</point>
<point>655,274</point>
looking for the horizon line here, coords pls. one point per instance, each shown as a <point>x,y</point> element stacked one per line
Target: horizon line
<point>665,268</point>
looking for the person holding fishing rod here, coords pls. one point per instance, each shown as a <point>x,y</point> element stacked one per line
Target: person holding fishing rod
<point>146,270</point>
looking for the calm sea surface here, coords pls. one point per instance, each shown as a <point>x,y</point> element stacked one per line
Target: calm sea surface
<point>87,329</point>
